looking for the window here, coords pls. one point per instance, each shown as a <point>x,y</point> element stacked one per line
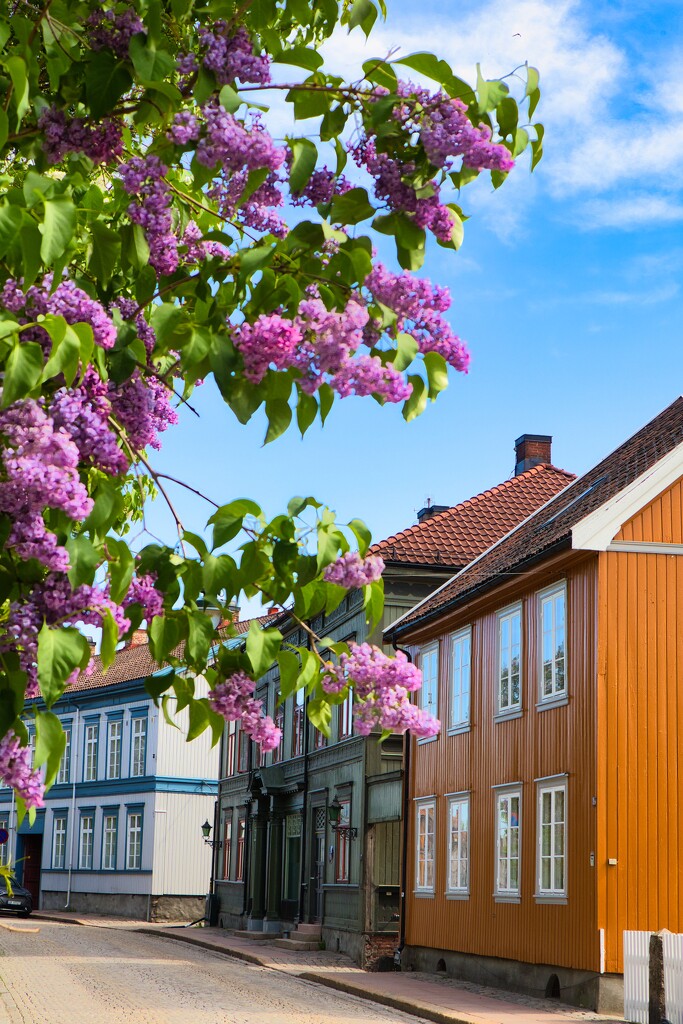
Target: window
<point>59,841</point>
<point>429,694</point>
<point>553,676</point>
<point>509,654</point>
<point>4,847</point>
<point>343,844</point>
<point>292,874</point>
<point>90,763</point>
<point>319,739</point>
<point>138,752</point>
<point>460,678</point>
<point>230,751</point>
<point>298,721</point>
<point>110,835</point>
<point>279,719</point>
<point>241,834</point>
<point>507,843</point>
<point>243,751</point>
<point>85,842</point>
<point>424,864</point>
<point>345,719</point>
<point>64,773</point>
<point>459,844</point>
<point>134,841</point>
<point>227,846</point>
<point>114,749</point>
<point>552,838</point>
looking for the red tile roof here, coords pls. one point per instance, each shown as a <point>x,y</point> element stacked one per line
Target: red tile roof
<point>550,527</point>
<point>137,662</point>
<point>454,537</point>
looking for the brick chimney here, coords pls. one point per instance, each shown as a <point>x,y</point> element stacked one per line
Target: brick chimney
<point>138,638</point>
<point>532,450</point>
<point>430,510</point>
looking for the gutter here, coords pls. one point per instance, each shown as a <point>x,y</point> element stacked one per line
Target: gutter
<point>305,846</point>
<point>405,811</point>
<point>74,776</point>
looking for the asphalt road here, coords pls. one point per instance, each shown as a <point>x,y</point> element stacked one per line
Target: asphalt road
<point>68,974</point>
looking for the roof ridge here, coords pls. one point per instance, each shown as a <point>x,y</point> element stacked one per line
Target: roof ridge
<point>441,517</point>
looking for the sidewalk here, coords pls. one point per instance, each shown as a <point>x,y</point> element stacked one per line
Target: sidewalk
<point>432,997</point>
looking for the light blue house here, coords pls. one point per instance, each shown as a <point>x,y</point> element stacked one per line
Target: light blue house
<point>121,829</point>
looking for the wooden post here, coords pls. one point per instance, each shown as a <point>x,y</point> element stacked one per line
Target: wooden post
<point>657,1003</point>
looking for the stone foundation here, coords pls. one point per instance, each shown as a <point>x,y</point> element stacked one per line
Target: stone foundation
<point>133,905</point>
<point>603,993</point>
<point>378,951</point>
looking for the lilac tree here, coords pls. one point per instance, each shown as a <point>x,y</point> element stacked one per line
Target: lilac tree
<point>145,245</point>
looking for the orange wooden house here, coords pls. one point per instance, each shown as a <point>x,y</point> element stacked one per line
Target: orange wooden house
<point>547,817</point>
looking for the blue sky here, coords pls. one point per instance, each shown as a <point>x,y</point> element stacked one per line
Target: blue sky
<point>567,287</point>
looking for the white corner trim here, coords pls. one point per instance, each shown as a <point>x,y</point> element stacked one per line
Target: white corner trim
<point>596,531</point>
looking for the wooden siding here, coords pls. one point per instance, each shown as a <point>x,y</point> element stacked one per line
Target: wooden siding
<point>661,521</point>
<point>535,745</point>
<point>640,720</point>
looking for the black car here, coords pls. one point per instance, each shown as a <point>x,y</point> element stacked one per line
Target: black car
<point>19,902</point>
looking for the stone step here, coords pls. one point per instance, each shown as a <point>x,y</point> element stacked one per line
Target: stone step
<point>297,944</point>
<point>314,930</point>
<point>254,936</point>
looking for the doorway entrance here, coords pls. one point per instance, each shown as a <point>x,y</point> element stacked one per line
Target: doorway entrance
<point>33,855</point>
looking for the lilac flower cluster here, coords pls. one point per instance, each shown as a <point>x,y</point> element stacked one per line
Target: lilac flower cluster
<point>446,132</point>
<point>17,771</point>
<point>110,31</point>
<point>143,408</point>
<point>185,128</point>
<point>40,464</point>
<point>231,56</point>
<point>66,300</point>
<point>234,700</point>
<point>350,570</point>
<point>419,307</point>
<point>197,250</point>
<point>258,210</point>
<point>101,142</point>
<point>234,145</point>
<point>82,413</point>
<point>142,591</point>
<point>143,177</point>
<point>382,688</point>
<point>129,310</point>
<point>322,185</point>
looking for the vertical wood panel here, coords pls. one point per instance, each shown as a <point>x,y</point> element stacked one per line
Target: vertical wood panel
<point>540,743</point>
<point>661,520</point>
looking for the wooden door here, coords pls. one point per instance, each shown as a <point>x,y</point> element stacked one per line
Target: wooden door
<point>33,852</point>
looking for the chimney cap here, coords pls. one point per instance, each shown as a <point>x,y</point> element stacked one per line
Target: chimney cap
<point>430,510</point>
<point>543,438</point>
<point>532,450</point>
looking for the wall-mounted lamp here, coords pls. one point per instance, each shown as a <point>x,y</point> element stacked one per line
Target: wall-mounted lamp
<point>334,816</point>
<point>206,832</point>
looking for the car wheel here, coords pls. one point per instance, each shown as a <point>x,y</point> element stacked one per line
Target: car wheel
<point>24,913</point>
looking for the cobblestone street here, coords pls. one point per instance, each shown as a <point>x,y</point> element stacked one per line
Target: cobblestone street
<point>81,975</point>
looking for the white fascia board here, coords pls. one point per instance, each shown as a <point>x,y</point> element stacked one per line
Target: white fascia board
<point>597,531</point>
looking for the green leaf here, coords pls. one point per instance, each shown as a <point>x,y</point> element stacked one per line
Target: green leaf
<point>352,207</point>
<point>22,371</point>
<point>279,416</point>
<point>532,80</point>
<point>304,159</point>
<point>109,641</point>
<point>4,128</point>
<point>11,219</point>
<point>406,350</point>
<point>362,11</point>
<point>288,663</point>
<point>165,633</point>
<point>120,567</point>
<point>521,141</point>
<point>373,602</point>
<point>9,327</point>
<point>507,116</point>
<point>262,647</point>
<point>437,373</point>
<point>105,251</point>
<point>106,80</point>
<point>362,535</point>
<point>84,558</point>
<point>200,636</point>
<point>306,411</point>
<point>379,72</point>
<point>60,651</point>
<point>199,719</point>
<point>229,99</point>
<point>152,65</point>
<point>50,744</point>
<point>417,403</point>
<point>537,145</point>
<point>65,354</point>
<point>439,71</point>
<point>490,93</point>
<point>320,715</point>
<point>227,521</point>
<point>59,222</point>
<point>300,57</point>
<point>30,240</point>
<point>20,89</point>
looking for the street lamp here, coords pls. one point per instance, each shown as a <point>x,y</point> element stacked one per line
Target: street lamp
<point>206,833</point>
<point>334,816</point>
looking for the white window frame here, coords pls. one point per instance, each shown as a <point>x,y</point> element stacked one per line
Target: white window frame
<point>134,841</point>
<point>64,772</point>
<point>557,695</point>
<point>86,842</point>
<point>422,809</point>
<point>507,615</point>
<point>4,847</point>
<point>428,697</point>
<point>458,887</point>
<point>59,827</point>
<point>110,840</point>
<point>91,751</point>
<point>460,699</point>
<point>553,785</point>
<point>508,893</point>
<point>138,746</point>
<point>114,747</point>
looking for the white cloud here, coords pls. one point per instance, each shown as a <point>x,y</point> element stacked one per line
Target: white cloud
<point>647,297</point>
<point>630,213</point>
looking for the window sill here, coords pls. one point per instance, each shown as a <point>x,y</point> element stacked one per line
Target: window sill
<point>503,898</point>
<point>552,702</point>
<point>458,730</point>
<point>457,895</point>
<point>506,716</point>
<point>550,899</point>
<point>422,894</point>
<point>427,739</point>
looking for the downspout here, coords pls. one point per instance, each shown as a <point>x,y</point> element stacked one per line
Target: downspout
<point>407,747</point>
<point>306,851</point>
<point>12,852</point>
<point>246,870</point>
<point>73,811</point>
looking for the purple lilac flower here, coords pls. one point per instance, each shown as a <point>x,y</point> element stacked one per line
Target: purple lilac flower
<point>233,699</point>
<point>17,771</point>
<point>110,31</point>
<point>101,142</point>
<point>143,177</point>
<point>231,56</point>
<point>350,570</point>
